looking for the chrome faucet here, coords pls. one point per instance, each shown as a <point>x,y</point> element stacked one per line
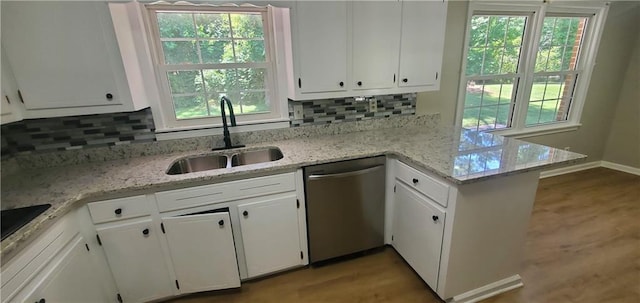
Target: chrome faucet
<point>225,127</point>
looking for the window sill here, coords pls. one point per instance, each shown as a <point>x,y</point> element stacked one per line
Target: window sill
<point>191,132</point>
<point>538,131</point>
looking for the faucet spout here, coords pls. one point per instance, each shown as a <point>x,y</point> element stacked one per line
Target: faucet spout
<point>225,102</point>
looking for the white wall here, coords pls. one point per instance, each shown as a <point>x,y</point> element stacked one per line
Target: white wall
<point>623,143</point>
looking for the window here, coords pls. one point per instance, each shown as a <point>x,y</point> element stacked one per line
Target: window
<point>527,68</point>
<point>203,53</point>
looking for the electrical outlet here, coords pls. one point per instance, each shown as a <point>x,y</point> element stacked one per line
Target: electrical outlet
<point>567,148</point>
<point>297,112</point>
<point>373,105</point>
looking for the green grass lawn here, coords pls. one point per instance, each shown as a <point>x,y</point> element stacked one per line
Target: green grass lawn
<point>495,105</point>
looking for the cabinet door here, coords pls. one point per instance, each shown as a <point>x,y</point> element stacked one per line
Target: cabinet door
<point>418,228</point>
<point>135,257</point>
<point>321,46</point>
<point>73,278</point>
<point>202,251</point>
<point>63,54</point>
<point>270,235</point>
<point>423,24</point>
<point>376,40</point>
<point>9,95</point>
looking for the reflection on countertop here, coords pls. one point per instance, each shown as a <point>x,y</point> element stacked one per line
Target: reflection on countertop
<point>480,154</point>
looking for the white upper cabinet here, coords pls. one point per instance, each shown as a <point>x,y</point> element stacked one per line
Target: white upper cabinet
<point>322,46</point>
<point>422,42</point>
<point>65,58</point>
<point>10,98</point>
<point>376,36</point>
<point>386,42</point>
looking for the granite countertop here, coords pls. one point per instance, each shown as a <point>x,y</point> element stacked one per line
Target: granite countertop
<point>458,156</point>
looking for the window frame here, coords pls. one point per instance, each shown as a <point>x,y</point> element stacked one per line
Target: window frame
<point>277,117</point>
<point>536,12</point>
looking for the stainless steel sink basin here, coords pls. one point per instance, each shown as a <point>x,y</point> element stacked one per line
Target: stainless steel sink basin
<point>256,156</point>
<point>221,160</point>
<point>200,163</point>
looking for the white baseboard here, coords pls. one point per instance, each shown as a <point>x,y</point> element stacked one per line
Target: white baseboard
<point>569,169</point>
<point>489,290</point>
<point>589,165</point>
<point>620,167</point>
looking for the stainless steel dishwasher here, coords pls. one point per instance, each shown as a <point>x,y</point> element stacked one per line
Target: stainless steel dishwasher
<point>345,207</point>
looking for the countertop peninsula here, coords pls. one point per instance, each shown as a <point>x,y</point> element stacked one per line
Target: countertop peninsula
<point>457,155</point>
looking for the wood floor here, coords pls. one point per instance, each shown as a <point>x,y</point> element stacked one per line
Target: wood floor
<point>583,245</point>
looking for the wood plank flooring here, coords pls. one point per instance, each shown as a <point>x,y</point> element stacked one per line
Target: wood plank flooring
<point>583,245</point>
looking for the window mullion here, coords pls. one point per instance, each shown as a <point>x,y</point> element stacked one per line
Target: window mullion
<point>195,29</point>
<point>533,32</point>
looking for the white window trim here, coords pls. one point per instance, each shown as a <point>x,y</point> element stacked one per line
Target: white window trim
<point>537,11</point>
<point>203,132</point>
<point>168,127</point>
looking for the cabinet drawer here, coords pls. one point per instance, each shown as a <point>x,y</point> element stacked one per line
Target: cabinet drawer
<point>118,209</point>
<point>429,186</point>
<point>217,193</point>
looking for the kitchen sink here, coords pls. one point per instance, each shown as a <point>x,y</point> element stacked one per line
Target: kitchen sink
<point>219,161</point>
<point>256,156</point>
<point>199,163</point>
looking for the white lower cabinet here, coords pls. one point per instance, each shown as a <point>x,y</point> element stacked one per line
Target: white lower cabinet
<point>418,227</point>
<point>136,260</point>
<point>202,251</point>
<point>208,238</point>
<point>202,238</point>
<point>464,240</point>
<point>72,278</point>
<point>61,265</point>
<point>270,234</point>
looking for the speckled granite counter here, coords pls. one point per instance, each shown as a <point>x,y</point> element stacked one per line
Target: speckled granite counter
<point>461,157</point>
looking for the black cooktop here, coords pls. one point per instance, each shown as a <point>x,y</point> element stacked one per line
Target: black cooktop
<point>12,219</point>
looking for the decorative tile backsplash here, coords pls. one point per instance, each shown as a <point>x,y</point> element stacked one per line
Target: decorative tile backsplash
<point>29,160</point>
<point>80,132</point>
<point>76,132</point>
<point>326,111</point>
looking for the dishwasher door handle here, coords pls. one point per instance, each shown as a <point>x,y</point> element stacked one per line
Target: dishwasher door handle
<point>345,174</point>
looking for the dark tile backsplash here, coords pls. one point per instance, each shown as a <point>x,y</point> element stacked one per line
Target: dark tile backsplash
<point>325,111</point>
<point>64,133</point>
